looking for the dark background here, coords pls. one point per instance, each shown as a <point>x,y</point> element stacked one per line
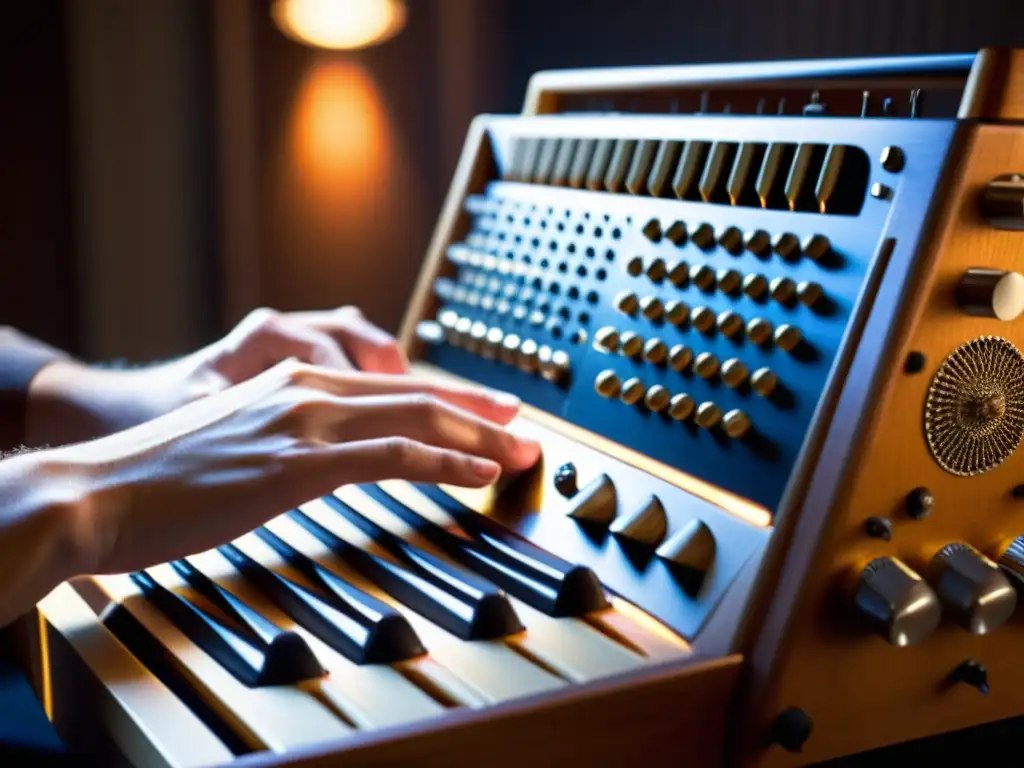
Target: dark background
<point>153,188</point>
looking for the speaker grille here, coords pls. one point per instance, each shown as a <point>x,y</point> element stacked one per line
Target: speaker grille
<point>974,414</point>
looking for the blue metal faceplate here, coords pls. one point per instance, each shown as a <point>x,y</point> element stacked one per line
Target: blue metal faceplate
<point>579,242</point>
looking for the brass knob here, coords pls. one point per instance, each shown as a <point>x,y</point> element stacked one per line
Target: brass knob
<point>607,383</point>
<point>655,351</point>
<point>626,303</point>
<point>651,307</point>
<point>736,424</point>
<point>492,341</point>
<point>757,242</point>
<point>731,240</point>
<point>706,365</point>
<point>635,266</point>
<point>786,245</point>
<point>788,337</point>
<point>528,360</point>
<point>734,372</point>
<point>656,270</point>
<point>782,289</point>
<point>809,293</point>
<point>708,415</point>
<point>679,357</point>
<point>728,280</point>
<point>763,381</point>
<point>704,237</point>
<point>652,230</point>
<point>554,365</point>
<point>816,247</point>
<point>759,330</point>
<point>510,349</point>
<point>606,339</point>
<point>679,273</point>
<point>657,398</point>
<point>681,406</point>
<point>676,233</point>
<point>676,312</point>
<point>703,319</point>
<point>632,391</point>
<point>631,344</point>
<point>755,286</point>
<point>702,276</point>
<point>730,324</point>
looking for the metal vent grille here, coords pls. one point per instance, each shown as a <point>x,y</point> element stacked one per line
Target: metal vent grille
<point>974,414</point>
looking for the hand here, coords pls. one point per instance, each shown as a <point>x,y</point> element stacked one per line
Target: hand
<point>219,467</point>
<point>70,402</point>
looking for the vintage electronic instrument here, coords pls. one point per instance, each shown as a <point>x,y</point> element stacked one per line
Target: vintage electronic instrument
<point>766,321</point>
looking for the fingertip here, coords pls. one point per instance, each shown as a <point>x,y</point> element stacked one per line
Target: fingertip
<point>484,471</point>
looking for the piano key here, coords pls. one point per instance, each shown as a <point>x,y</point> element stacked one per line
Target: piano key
<point>563,163</point>
<point>690,168</point>
<point>645,634</point>
<point>742,181</point>
<point>534,576</point>
<point>619,164</point>
<point>664,164</point>
<point>369,695</point>
<point>278,718</point>
<point>640,167</point>
<point>599,164</point>
<point>355,624</point>
<point>459,601</point>
<point>568,646</point>
<point>806,167</point>
<point>492,669</point>
<point>256,659</point>
<point>771,178</point>
<point>545,160</point>
<point>149,724</point>
<point>714,180</point>
<point>581,162</point>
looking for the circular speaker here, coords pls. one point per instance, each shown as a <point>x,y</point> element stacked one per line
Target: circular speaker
<point>974,414</point>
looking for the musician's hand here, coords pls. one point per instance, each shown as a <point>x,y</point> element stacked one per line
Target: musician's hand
<point>70,402</point>
<point>218,467</point>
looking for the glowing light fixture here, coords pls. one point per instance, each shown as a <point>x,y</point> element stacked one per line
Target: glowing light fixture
<point>339,24</point>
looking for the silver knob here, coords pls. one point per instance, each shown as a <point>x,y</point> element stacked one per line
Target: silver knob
<point>991,293</point>
<point>897,602</point>
<point>973,591</point>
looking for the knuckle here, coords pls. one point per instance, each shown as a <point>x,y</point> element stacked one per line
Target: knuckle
<point>298,372</point>
<point>262,319</point>
<point>350,311</point>
<point>400,451</point>
<point>428,408</point>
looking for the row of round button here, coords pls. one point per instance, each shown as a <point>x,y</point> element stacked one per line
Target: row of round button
<point>729,281</point>
<point>735,241</point>
<point>679,406</point>
<point>493,343</point>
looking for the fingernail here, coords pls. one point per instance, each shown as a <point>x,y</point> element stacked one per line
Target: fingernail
<point>505,400</point>
<point>484,469</point>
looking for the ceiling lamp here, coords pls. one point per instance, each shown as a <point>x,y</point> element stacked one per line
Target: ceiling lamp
<point>339,24</point>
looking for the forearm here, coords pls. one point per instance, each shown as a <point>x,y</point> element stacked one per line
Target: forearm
<point>44,535</point>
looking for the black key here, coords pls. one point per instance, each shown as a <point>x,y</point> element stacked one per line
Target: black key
<point>358,626</point>
<point>277,659</point>
<point>461,602</point>
<point>536,577</point>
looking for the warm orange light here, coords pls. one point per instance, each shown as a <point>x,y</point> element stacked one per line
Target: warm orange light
<point>339,24</point>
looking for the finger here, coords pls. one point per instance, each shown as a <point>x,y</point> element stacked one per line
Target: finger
<point>285,340</point>
<point>499,407</point>
<point>398,458</point>
<point>429,420</point>
<point>369,347</point>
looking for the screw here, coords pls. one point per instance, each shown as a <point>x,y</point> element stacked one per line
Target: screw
<point>878,528</point>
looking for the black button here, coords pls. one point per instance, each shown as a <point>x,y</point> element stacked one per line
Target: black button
<point>565,480</point>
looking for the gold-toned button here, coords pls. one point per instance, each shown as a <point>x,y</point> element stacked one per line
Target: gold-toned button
<point>528,359</point>
<point>731,240</point>
<point>734,372</point>
<point>510,349</point>
<point>635,266</point>
<point>764,381</point>
<point>676,232</point>
<point>554,364</point>
<point>606,338</point>
<point>626,303</point>
<point>755,285</point>
<point>630,344</point>
<point>757,242</point>
<point>729,323</point>
<point>607,383</point>
<point>493,339</point>
<point>786,245</point>
<point>678,273</point>
<point>787,337</point>
<point>655,351</point>
<point>708,415</point>
<point>704,237</point>
<point>736,424</point>
<point>679,357</point>
<point>462,327</point>
<point>728,280</point>
<point>706,365</point>
<point>782,289</point>
<point>579,336</point>
<point>447,318</point>
<point>656,270</point>
<point>652,230</point>
<point>703,319</point>
<point>651,307</point>
<point>816,246</point>
<point>809,292</point>
<point>681,406</point>
<point>759,330</point>
<point>676,312</point>
<point>702,276</point>
<point>632,391</point>
<point>657,398</point>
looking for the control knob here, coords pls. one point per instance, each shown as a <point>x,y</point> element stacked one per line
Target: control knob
<point>991,293</point>
<point>897,602</point>
<point>974,592</point>
<point>1002,202</point>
